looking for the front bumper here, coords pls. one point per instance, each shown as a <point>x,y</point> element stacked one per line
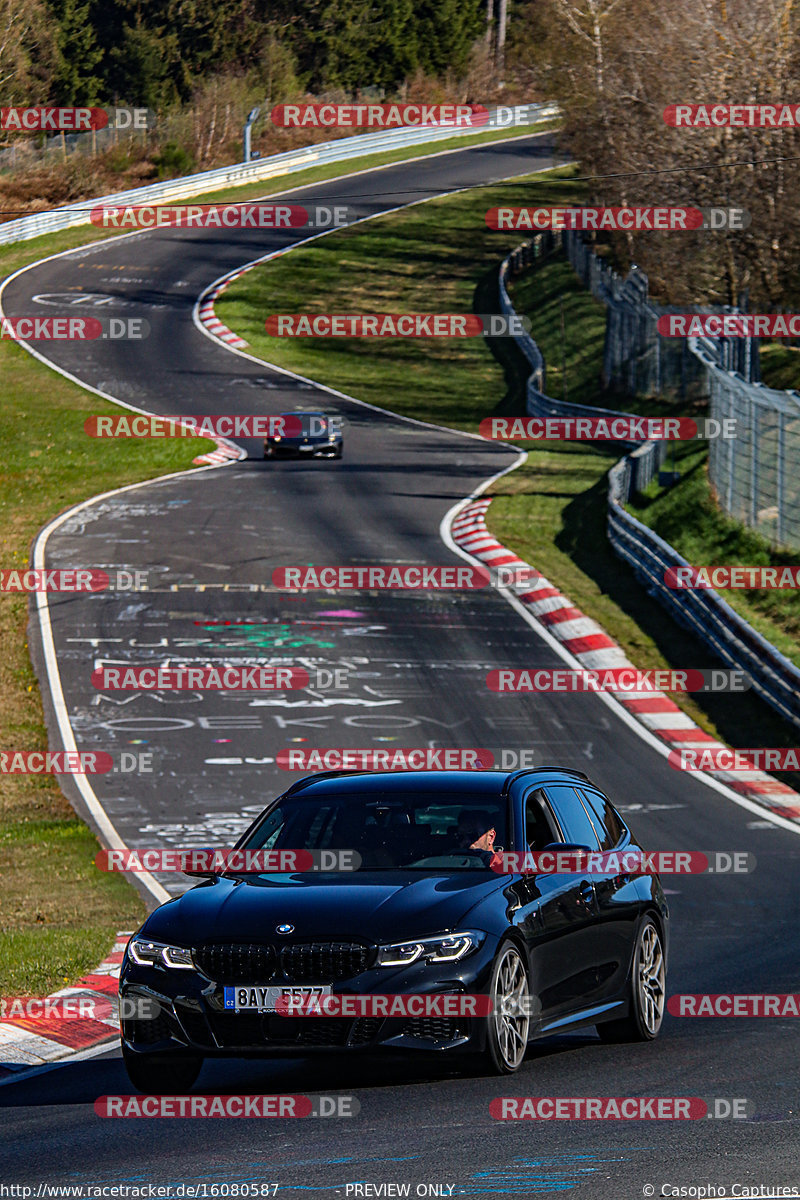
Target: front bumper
<point>298,450</point>
<point>191,1016</point>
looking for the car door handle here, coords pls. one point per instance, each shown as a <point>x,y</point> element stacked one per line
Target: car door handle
<point>586,891</point>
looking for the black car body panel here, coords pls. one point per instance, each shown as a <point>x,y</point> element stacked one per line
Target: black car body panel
<point>576,932</point>
<point>321,437</point>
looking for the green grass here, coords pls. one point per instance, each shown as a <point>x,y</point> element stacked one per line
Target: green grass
<point>688,517</point>
<point>552,511</point>
<point>59,913</point>
<point>780,366</point>
<point>547,293</point>
<point>413,261</point>
<point>34,965</point>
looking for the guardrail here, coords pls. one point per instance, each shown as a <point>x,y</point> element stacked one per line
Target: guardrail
<point>703,612</point>
<point>775,679</point>
<point>287,163</point>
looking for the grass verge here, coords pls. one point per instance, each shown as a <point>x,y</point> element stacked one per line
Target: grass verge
<point>398,263</point>
<point>689,518</point>
<point>59,913</point>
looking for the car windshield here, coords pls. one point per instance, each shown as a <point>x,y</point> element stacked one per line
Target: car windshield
<point>313,424</point>
<point>390,831</point>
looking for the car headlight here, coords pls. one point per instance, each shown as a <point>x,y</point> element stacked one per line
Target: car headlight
<point>447,948</point>
<point>157,954</point>
<point>277,437</point>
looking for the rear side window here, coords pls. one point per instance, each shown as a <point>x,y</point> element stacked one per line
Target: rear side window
<point>572,816</point>
<point>609,825</point>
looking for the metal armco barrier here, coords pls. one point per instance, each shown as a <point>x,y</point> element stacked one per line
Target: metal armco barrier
<point>775,679</point>
<point>287,163</point>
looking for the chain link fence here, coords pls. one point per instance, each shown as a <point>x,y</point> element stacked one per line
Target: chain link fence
<point>756,475</point>
<point>704,612</point>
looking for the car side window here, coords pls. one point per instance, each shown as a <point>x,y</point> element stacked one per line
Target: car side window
<point>540,829</point>
<point>608,824</point>
<point>572,816</point>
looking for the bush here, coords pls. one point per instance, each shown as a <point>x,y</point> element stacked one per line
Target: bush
<point>173,160</point>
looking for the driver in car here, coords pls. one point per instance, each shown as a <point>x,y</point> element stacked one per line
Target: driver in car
<point>476,833</point>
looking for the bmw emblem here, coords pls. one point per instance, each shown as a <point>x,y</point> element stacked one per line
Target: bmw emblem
<point>284,928</point>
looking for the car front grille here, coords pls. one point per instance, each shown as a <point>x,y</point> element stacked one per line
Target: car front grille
<point>256,1030</point>
<point>364,1030</point>
<point>433,1029</point>
<point>324,962</point>
<point>236,962</point>
<point>147,1033</point>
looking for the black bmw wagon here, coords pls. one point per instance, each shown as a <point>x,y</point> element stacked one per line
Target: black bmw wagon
<point>428,912</point>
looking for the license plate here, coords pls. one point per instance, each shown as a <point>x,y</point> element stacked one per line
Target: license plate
<point>264,999</point>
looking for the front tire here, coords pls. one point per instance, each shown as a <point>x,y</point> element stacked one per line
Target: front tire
<point>161,1074</point>
<point>509,1022</point>
<point>647,991</point>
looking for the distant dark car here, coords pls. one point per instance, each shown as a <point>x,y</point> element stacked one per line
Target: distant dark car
<point>423,914</point>
<point>320,436</point>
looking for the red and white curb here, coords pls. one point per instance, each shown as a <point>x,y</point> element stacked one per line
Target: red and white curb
<point>225,452</point>
<point>33,1041</point>
<point>209,318</point>
<point>594,649</point>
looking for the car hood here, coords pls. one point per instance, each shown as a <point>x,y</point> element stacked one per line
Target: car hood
<point>381,906</point>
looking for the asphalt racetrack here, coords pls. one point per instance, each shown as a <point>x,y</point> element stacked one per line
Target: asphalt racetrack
<point>417,663</point>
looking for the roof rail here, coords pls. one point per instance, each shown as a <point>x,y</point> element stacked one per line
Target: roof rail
<point>566,771</point>
<point>309,779</point>
<point>522,771</point>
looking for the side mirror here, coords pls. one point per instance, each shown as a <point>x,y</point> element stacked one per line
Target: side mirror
<point>202,852</point>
